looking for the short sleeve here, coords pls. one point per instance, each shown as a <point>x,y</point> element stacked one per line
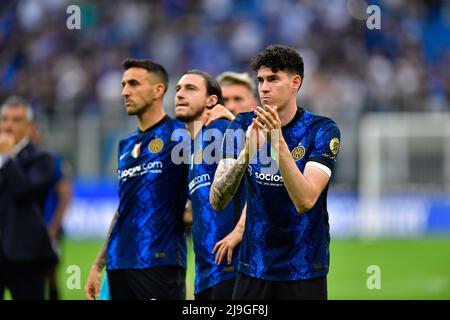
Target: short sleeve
<point>326,145</point>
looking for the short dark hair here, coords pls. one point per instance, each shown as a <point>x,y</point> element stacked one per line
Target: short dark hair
<point>279,58</point>
<point>150,66</point>
<point>16,102</point>
<point>212,86</point>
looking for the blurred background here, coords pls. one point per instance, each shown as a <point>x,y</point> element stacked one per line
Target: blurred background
<point>388,90</point>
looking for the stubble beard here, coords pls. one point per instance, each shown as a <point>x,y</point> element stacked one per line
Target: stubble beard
<point>190,117</point>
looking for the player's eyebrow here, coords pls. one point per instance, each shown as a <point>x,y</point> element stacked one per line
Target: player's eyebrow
<point>188,86</point>
<point>191,86</point>
<point>132,82</point>
<point>270,77</point>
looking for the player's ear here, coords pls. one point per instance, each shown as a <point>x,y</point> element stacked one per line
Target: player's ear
<point>159,90</point>
<point>211,101</point>
<point>296,83</point>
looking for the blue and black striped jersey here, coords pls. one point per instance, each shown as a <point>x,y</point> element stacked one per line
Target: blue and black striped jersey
<point>278,243</point>
<point>149,231</point>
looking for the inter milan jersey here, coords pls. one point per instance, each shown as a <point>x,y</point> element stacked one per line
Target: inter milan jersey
<point>210,226</point>
<point>149,231</point>
<point>279,243</point>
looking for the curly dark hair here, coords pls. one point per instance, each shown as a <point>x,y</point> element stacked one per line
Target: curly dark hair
<point>279,57</point>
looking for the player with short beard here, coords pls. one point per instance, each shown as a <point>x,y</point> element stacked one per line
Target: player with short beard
<point>196,93</point>
<point>145,250</point>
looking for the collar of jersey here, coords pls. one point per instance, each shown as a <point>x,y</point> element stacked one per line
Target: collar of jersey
<point>298,115</point>
<point>156,125</point>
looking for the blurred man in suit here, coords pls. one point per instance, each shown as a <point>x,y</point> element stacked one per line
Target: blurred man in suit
<point>26,175</point>
<point>55,208</point>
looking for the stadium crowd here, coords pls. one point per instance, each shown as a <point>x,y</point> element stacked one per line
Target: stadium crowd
<point>349,69</point>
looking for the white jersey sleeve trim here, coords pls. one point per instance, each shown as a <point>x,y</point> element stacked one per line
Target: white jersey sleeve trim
<point>320,166</point>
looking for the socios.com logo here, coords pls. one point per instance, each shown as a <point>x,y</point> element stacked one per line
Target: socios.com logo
<point>138,170</point>
<point>268,177</point>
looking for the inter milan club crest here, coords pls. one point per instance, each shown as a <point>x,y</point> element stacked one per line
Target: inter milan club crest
<point>298,153</point>
<point>155,145</point>
<point>136,150</point>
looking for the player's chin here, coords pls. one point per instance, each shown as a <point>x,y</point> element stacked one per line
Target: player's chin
<point>132,112</point>
<point>182,115</point>
<point>270,100</point>
<point>136,110</point>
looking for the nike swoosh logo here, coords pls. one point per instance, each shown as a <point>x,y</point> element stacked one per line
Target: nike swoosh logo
<point>123,156</point>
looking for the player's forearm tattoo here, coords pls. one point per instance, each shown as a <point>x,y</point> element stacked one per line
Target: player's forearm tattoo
<point>101,257</point>
<point>227,179</point>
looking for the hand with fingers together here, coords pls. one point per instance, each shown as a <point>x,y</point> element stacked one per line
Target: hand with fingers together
<point>92,288</point>
<point>225,247</point>
<point>254,139</point>
<point>268,121</point>
<point>218,112</point>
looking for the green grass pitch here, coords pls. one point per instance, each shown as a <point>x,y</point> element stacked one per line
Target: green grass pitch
<point>410,269</point>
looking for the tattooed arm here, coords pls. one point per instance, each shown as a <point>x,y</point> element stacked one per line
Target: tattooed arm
<point>227,179</point>
<point>101,257</point>
<point>92,288</point>
<point>230,171</point>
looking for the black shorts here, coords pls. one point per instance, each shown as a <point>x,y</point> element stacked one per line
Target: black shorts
<point>160,283</point>
<point>221,291</point>
<point>249,288</point>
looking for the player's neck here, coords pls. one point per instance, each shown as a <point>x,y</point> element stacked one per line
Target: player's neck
<point>287,113</point>
<point>196,125</point>
<point>153,115</point>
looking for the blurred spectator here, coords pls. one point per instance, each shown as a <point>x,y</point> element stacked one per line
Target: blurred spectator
<point>238,91</point>
<point>56,204</point>
<point>26,176</point>
<point>402,67</point>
